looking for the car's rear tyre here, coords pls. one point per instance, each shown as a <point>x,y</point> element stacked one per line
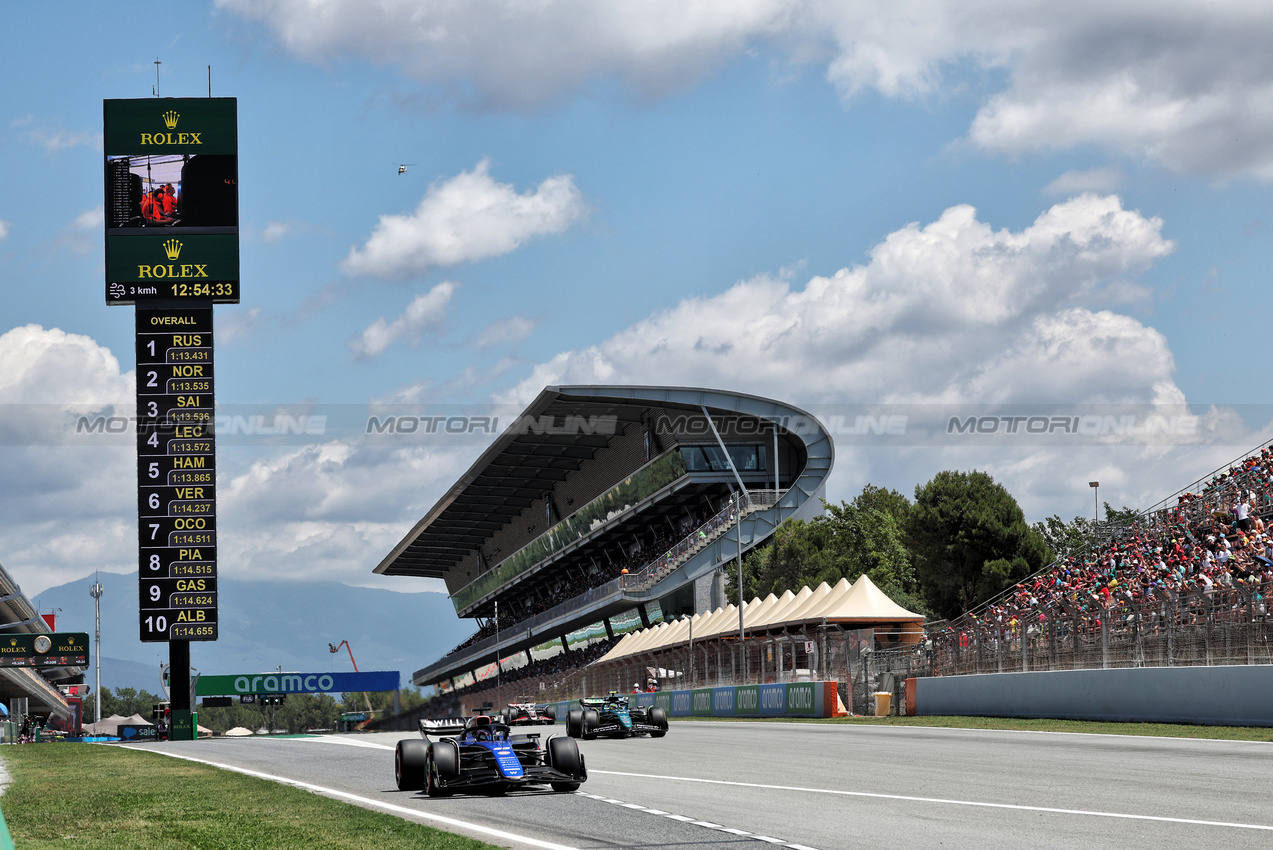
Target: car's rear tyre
<point>410,761</point>
<point>574,722</point>
<point>591,720</point>
<point>658,717</point>
<point>550,714</point>
<point>431,786</point>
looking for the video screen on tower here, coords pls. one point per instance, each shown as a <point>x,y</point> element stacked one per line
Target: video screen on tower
<point>171,199</point>
<point>172,191</point>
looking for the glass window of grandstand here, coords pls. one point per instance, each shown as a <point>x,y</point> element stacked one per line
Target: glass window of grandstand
<point>712,459</point>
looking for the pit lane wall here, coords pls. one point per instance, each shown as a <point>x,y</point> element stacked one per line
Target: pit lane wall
<point>791,699</point>
<point>1216,696</point>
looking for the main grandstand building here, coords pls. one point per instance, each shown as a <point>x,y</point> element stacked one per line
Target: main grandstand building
<point>605,509</point>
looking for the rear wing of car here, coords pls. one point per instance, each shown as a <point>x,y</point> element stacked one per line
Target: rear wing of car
<point>602,702</point>
<point>442,727</point>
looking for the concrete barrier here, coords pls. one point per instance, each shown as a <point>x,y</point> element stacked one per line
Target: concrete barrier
<point>1217,696</point>
<point>793,699</point>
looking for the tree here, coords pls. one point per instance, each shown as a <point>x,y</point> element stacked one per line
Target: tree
<point>1081,534</point>
<point>970,541</point>
<point>128,701</point>
<point>849,540</point>
<point>885,501</point>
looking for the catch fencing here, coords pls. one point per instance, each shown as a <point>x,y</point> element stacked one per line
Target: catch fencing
<point>1227,626</point>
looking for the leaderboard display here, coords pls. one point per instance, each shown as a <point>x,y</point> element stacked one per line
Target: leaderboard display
<point>176,474</point>
<point>172,199</point>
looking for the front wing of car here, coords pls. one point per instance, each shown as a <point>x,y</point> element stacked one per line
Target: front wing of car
<point>479,766</point>
<point>610,727</point>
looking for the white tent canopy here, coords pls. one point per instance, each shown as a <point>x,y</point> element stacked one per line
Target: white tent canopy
<point>860,604</point>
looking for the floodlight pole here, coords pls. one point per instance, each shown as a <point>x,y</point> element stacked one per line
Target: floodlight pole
<point>96,592</point>
<point>738,525</point>
<point>1096,499</point>
<point>742,648</point>
<point>498,671</point>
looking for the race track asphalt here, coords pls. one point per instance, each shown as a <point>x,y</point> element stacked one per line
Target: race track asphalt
<point>710,785</point>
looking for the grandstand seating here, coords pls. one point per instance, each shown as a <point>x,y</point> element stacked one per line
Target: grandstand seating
<point>1203,555</point>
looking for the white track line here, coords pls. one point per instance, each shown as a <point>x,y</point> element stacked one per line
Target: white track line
<point>344,795</point>
<point>336,739</point>
<point>974,803</point>
<point>686,819</point>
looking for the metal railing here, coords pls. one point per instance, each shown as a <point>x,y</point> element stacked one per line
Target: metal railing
<point>1229,625</point>
<point>725,519</point>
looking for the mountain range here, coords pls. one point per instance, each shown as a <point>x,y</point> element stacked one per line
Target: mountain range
<point>264,626</point>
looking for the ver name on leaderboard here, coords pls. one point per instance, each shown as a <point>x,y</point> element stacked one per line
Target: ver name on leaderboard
<point>176,474</point>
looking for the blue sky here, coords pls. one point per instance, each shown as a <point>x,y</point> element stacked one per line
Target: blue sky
<point>979,203</point>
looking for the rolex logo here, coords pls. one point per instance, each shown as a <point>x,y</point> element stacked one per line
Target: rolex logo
<point>170,119</point>
<point>172,248</point>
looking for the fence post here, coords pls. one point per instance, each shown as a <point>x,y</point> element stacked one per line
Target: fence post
<point>1173,612</point>
<point>1025,648</point>
<point>1208,621</point>
<point>1136,631</point>
<point>1078,654</point>
<point>1105,639</point>
<point>1249,625</point>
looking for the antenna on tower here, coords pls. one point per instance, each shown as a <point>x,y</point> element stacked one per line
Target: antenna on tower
<point>157,64</point>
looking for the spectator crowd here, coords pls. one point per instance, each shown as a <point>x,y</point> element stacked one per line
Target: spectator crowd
<point>1206,553</point>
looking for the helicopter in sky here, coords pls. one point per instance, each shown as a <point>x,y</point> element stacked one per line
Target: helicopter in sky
<point>402,167</point>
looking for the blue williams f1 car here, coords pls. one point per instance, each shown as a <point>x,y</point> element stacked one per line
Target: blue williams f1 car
<point>482,755</point>
<point>611,717</point>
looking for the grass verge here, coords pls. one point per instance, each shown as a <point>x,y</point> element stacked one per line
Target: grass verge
<point>100,796</point>
<point>1019,724</point>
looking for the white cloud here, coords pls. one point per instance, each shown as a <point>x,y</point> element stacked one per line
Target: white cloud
<point>425,313</point>
<point>53,139</point>
<point>238,324</point>
<point>4,228</point>
<point>947,311</point>
<point>61,503</point>
<point>525,53</point>
<point>508,331</point>
<point>469,217</point>
<point>1183,83</point>
<point>90,219</point>
<point>276,230</point>
<point>1103,179</point>
<point>51,366</point>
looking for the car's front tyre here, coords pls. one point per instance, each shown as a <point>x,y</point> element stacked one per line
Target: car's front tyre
<point>443,763</point>
<point>658,717</point>
<point>591,720</point>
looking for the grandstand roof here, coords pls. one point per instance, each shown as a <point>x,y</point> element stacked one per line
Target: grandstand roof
<point>511,474</point>
<point>525,461</point>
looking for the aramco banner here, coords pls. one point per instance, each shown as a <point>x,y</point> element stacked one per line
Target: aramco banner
<point>296,683</point>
